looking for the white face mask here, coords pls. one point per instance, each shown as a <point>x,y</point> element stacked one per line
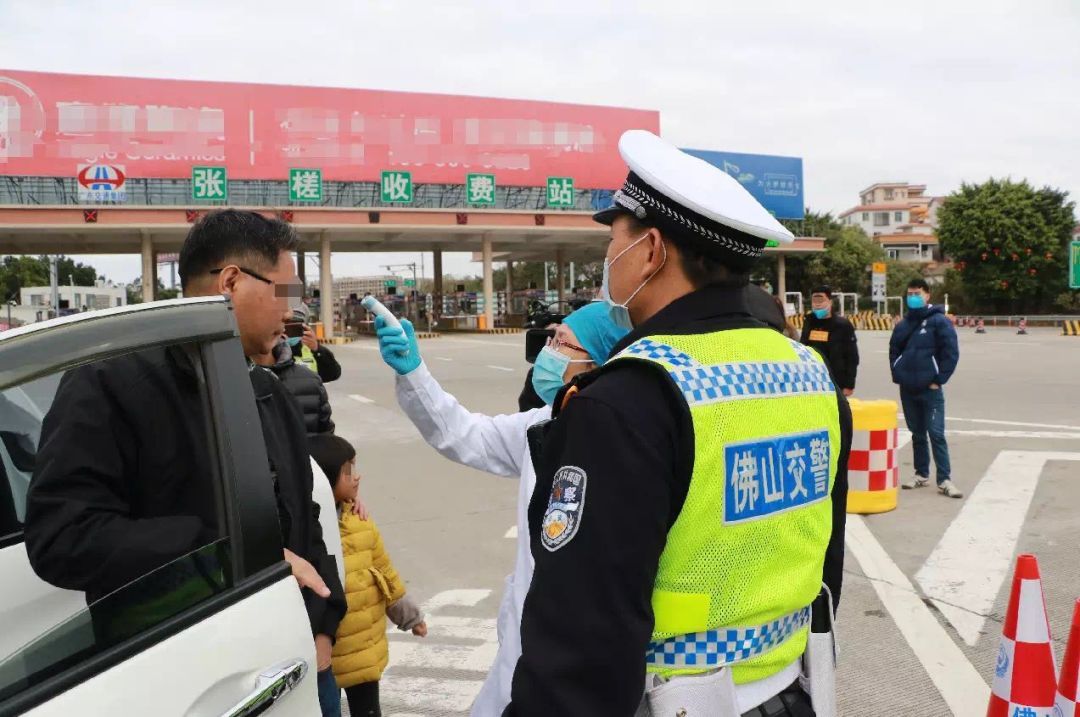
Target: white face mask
<point>620,313</point>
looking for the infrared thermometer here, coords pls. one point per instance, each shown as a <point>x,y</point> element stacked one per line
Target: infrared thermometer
<point>370,303</point>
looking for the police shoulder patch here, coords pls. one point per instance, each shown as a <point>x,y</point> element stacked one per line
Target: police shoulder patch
<point>564,509</point>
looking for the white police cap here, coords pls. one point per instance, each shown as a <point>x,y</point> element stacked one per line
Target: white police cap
<point>676,191</point>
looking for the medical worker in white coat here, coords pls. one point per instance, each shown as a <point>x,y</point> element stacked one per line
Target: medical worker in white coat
<point>499,445</point>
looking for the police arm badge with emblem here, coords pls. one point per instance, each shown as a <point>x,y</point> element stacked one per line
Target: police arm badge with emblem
<point>564,509</point>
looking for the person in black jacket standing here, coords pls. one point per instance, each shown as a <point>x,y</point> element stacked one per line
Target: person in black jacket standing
<point>305,385</point>
<point>123,480</point>
<point>833,337</point>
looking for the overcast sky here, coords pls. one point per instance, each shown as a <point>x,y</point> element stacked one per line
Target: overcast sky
<point>928,92</point>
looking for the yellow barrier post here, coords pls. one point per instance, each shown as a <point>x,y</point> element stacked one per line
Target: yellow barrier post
<point>873,467</point>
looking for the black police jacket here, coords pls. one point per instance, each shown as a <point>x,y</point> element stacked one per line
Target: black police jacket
<point>588,616</point>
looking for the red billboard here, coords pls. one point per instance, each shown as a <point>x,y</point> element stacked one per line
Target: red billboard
<point>50,124</point>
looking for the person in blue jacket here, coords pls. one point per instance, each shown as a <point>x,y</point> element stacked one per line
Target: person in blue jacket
<point>924,352</point>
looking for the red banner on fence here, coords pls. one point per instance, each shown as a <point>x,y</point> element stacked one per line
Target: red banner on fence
<point>52,123</point>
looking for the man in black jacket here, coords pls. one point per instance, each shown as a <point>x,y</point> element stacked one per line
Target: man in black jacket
<point>833,337</point>
<point>123,481</point>
<point>305,385</point>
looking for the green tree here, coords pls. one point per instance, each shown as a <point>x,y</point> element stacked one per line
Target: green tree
<point>845,263</point>
<point>1009,242</point>
<point>17,272</point>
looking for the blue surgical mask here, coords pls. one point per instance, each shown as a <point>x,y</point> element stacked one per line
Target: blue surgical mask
<point>620,313</point>
<point>294,341</point>
<point>916,301</point>
<point>548,372</point>
<point>821,313</point>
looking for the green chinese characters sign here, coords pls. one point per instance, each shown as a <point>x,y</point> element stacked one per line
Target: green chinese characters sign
<point>560,192</point>
<point>1074,265</point>
<point>480,189</point>
<point>397,187</point>
<point>305,185</point>
<point>209,184</point>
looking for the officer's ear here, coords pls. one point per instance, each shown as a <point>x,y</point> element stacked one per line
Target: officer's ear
<point>659,253</point>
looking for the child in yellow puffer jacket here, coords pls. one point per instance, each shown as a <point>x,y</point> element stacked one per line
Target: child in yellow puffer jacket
<point>373,589</point>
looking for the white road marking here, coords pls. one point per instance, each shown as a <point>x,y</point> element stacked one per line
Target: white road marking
<point>466,598</point>
<point>964,691</point>
<point>1008,434</point>
<point>1014,423</point>
<point>1014,434</point>
<point>427,695</point>
<point>988,526</point>
<point>361,399</point>
<point>443,358</point>
<point>512,533</point>
<point>499,368</point>
<point>481,342</point>
<point>442,656</point>
<point>454,643</point>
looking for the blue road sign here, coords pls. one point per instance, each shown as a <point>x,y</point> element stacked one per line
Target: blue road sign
<point>776,182</point>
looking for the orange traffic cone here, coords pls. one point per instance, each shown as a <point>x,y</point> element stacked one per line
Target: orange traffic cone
<point>1068,692</point>
<point>1024,684</point>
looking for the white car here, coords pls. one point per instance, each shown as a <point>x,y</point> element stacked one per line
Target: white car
<point>242,647</point>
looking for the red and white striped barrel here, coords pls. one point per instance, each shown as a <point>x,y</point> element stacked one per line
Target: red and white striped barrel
<point>873,467</point>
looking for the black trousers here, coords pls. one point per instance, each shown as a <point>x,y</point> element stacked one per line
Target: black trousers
<point>364,699</point>
<point>792,702</point>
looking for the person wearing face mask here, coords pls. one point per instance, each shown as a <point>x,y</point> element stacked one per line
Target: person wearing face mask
<point>923,352</point>
<point>303,383</point>
<point>833,337</point>
<point>499,445</point>
<point>309,352</point>
<point>690,493</point>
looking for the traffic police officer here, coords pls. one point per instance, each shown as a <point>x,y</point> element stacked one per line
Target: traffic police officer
<point>687,506</point>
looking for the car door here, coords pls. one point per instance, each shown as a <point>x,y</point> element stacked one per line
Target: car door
<point>218,630</point>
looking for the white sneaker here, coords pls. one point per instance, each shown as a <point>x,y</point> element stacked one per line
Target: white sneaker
<point>948,489</point>
<point>915,481</point>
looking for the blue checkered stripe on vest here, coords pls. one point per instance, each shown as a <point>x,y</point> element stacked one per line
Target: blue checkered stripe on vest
<point>647,348</point>
<point>805,353</point>
<point>735,381</point>
<point>722,647</point>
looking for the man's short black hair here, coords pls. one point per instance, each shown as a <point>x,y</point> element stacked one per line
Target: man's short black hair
<point>823,289</point>
<point>919,283</point>
<point>701,268</point>
<point>331,453</point>
<point>234,235</point>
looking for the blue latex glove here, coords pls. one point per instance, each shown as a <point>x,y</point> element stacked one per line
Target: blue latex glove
<point>391,342</point>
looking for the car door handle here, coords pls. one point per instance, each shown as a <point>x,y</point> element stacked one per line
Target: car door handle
<point>273,683</point>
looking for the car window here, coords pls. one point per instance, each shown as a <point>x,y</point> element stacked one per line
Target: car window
<point>109,487</point>
<point>161,594</point>
<point>21,414</point>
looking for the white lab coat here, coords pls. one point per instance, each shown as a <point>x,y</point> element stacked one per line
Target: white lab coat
<point>499,445</point>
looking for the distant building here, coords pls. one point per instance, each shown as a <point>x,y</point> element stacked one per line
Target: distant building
<point>901,218</point>
<point>360,285</point>
<point>37,300</point>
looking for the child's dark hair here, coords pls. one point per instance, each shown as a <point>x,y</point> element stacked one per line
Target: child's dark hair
<point>331,453</point>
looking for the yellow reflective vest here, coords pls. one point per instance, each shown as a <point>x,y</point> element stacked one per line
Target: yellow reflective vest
<point>743,560</point>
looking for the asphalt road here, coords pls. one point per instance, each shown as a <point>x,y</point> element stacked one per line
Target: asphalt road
<point>926,585</point>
